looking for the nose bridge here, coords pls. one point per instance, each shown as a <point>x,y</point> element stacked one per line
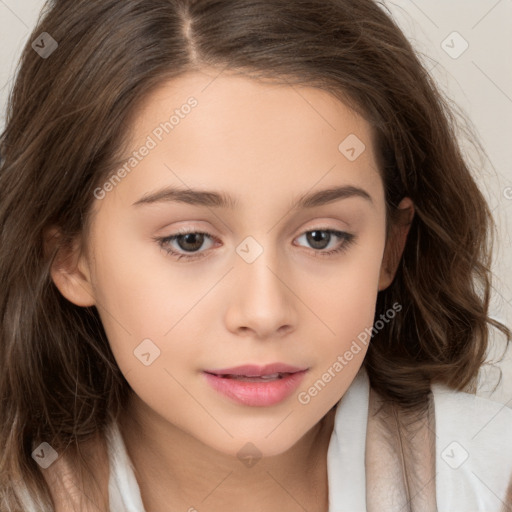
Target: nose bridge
<point>257,269</point>
<point>261,300</point>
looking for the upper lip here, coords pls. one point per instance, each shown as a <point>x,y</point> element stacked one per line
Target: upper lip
<point>251,370</point>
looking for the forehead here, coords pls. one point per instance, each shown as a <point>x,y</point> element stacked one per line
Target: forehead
<point>206,128</point>
<point>255,106</point>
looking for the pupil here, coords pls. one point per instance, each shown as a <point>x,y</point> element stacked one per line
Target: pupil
<point>318,239</point>
<point>189,239</point>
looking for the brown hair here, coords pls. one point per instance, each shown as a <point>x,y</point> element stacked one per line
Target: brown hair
<point>67,123</point>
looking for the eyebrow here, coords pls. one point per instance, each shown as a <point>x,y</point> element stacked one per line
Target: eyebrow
<point>214,199</point>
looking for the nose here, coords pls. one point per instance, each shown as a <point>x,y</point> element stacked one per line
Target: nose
<point>262,302</point>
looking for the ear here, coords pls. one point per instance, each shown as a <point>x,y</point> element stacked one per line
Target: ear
<point>69,271</point>
<point>396,243</point>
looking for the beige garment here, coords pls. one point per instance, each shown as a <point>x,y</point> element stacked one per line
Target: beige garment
<point>400,458</point>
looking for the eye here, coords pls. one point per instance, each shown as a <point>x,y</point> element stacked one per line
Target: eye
<point>191,242</point>
<point>321,238</point>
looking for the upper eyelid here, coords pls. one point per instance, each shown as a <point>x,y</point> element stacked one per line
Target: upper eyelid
<point>336,232</point>
<point>201,232</point>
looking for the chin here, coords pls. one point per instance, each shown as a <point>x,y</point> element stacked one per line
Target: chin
<point>263,444</point>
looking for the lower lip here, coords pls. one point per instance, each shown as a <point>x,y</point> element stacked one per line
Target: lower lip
<point>256,393</point>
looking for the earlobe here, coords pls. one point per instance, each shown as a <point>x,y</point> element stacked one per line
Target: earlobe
<point>396,244</point>
<point>69,270</point>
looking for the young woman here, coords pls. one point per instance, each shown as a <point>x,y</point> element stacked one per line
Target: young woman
<point>243,265</point>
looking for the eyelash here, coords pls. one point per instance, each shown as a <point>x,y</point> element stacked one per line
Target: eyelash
<point>348,238</point>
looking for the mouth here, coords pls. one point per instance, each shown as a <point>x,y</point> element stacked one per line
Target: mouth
<point>256,386</point>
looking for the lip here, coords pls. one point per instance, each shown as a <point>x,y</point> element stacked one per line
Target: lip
<point>252,370</point>
<point>256,394</point>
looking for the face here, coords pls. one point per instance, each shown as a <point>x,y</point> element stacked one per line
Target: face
<point>264,279</point>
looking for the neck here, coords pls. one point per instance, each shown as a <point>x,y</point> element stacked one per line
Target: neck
<point>171,466</point>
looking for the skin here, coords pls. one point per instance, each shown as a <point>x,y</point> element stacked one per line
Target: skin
<point>265,144</point>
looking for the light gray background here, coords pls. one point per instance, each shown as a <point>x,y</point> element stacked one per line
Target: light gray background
<point>479,80</point>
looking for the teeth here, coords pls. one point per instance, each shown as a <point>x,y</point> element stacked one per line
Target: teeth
<point>272,376</point>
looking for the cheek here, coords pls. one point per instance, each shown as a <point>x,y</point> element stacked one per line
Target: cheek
<point>132,302</point>
<point>345,304</point>
<point>142,295</point>
<point>346,308</point>
<point>347,296</point>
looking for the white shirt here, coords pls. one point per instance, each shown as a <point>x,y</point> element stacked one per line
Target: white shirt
<point>473,454</point>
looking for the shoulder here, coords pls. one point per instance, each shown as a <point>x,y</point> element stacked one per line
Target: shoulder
<point>474,448</point>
